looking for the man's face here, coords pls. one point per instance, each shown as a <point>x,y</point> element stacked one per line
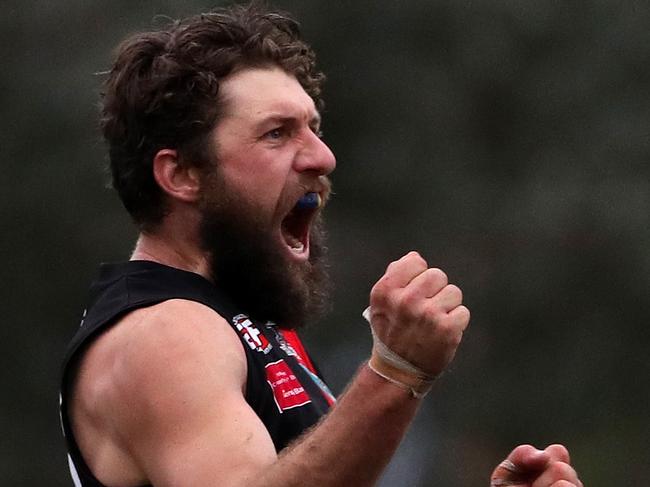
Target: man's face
<point>265,252</point>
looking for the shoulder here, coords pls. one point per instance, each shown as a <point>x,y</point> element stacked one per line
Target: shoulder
<point>157,360</point>
<point>164,342</point>
<point>160,382</point>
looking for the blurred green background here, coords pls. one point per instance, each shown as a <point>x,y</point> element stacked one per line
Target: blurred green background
<point>508,141</point>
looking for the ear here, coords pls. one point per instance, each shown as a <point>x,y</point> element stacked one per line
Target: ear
<point>179,181</point>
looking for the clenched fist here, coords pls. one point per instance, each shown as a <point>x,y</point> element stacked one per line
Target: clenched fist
<point>417,314</point>
<point>527,466</point>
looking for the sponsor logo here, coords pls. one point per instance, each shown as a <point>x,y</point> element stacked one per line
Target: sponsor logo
<point>288,393</point>
<point>251,335</point>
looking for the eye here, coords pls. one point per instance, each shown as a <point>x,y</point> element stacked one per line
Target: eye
<point>275,134</point>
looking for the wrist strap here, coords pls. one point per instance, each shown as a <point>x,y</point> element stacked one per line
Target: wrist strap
<point>416,386</point>
<point>390,366</point>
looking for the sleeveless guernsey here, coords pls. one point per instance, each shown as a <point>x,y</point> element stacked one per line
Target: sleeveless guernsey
<point>282,385</point>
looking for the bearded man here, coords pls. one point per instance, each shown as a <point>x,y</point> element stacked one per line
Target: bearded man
<point>187,369</point>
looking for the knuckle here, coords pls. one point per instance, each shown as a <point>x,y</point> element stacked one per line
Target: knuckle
<point>464,314</point>
<point>558,452</point>
<point>520,452</point>
<point>438,276</point>
<point>416,259</point>
<point>524,448</point>
<point>391,266</point>
<point>378,288</point>
<point>379,293</point>
<point>455,292</point>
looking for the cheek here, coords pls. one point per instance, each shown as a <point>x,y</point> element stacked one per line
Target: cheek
<point>257,169</point>
<point>263,184</point>
<point>258,176</point>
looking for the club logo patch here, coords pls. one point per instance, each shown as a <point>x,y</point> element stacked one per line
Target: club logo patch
<point>287,390</point>
<point>251,335</point>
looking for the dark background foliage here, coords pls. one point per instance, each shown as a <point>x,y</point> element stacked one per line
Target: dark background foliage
<point>507,141</point>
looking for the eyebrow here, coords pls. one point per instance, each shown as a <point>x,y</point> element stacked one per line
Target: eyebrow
<point>314,122</point>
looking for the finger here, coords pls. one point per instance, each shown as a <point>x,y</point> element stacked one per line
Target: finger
<point>527,458</point>
<point>522,463</point>
<point>448,298</point>
<point>426,284</point>
<point>402,271</point>
<point>555,472</point>
<point>558,453</point>
<point>459,317</point>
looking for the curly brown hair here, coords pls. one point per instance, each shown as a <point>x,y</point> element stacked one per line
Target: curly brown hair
<point>162,89</point>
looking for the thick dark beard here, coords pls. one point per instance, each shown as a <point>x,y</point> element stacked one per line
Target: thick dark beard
<point>249,266</point>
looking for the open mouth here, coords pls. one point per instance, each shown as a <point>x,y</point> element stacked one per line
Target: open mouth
<point>295,226</point>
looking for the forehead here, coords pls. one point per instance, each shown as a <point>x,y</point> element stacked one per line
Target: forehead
<point>257,92</point>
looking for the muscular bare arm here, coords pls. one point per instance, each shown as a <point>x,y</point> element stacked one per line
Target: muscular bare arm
<point>159,398</point>
<point>174,406</point>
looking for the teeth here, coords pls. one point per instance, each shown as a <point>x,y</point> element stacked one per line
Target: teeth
<point>294,244</point>
<point>298,247</point>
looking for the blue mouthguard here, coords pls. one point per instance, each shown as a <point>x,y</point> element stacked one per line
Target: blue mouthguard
<point>309,201</point>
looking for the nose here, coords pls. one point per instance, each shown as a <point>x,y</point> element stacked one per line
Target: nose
<point>315,156</point>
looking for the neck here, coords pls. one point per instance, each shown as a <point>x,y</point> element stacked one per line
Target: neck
<point>172,248</point>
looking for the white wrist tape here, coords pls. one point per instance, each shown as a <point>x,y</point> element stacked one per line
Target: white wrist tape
<point>411,377</point>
